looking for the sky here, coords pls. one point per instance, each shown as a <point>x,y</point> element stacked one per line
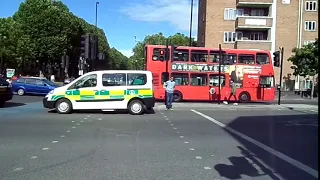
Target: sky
<point>122,20</point>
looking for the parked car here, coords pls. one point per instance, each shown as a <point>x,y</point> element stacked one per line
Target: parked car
<point>5,91</point>
<point>32,85</point>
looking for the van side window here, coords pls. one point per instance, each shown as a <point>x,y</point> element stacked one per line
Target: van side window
<point>118,79</point>
<point>85,82</point>
<point>137,79</point>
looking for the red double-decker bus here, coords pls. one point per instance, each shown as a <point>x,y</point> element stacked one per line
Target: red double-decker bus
<point>196,73</point>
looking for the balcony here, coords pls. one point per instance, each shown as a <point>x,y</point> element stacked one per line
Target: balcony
<point>252,44</point>
<point>254,3</point>
<point>255,22</point>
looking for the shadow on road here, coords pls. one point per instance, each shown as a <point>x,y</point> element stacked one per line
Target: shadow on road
<point>295,136</point>
<point>12,104</point>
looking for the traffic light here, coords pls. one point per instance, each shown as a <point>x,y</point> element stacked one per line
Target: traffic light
<point>162,54</point>
<point>276,59</point>
<point>85,46</point>
<point>94,47</point>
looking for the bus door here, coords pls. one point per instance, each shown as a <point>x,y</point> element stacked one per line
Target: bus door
<point>266,90</point>
<point>214,87</point>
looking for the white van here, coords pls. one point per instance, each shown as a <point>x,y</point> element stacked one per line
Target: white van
<point>104,90</point>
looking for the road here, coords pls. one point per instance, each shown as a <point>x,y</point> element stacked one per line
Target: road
<point>237,143</point>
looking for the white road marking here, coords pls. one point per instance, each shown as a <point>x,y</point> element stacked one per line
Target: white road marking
<point>181,136</point>
<point>18,169</point>
<point>165,116</point>
<point>178,132</point>
<point>191,149</point>
<point>85,118</point>
<point>99,119</point>
<point>280,155</point>
<point>174,128</point>
<point>88,116</point>
<point>72,121</point>
<point>313,110</point>
<point>171,124</point>
<point>207,168</point>
<point>53,142</point>
<point>81,121</point>
<point>44,149</point>
<point>68,131</point>
<point>169,121</point>
<point>186,142</point>
<point>198,157</point>
<point>73,127</point>
<point>78,124</point>
<point>62,136</point>
<point>212,155</point>
<point>33,157</point>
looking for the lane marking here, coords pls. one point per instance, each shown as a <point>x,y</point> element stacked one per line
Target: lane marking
<point>73,127</point>
<point>171,124</point>
<point>313,110</point>
<point>181,136</point>
<point>174,128</point>
<point>88,116</point>
<point>68,131</point>
<point>62,136</point>
<point>18,169</point>
<point>99,119</point>
<point>169,121</point>
<point>72,121</point>
<point>178,132</point>
<point>53,142</point>
<point>198,157</point>
<point>280,155</point>
<point>191,149</point>
<point>44,149</point>
<point>85,118</point>
<point>78,124</point>
<point>186,142</point>
<point>212,155</point>
<point>207,168</point>
<point>33,157</point>
<point>82,121</point>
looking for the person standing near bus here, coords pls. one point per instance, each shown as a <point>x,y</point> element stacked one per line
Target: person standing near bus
<point>233,92</point>
<point>169,86</point>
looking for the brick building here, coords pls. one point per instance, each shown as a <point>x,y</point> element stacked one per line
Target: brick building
<point>258,24</point>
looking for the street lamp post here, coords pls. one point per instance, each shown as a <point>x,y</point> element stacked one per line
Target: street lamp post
<point>96,23</point>
<point>191,14</point>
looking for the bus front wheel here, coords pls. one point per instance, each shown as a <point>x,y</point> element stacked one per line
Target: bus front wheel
<point>244,97</point>
<point>177,96</point>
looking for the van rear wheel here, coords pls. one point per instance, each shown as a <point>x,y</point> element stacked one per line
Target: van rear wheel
<point>136,107</point>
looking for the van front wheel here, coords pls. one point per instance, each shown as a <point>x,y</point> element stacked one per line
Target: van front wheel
<point>63,106</point>
<point>136,107</point>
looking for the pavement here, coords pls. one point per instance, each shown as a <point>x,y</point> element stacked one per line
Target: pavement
<point>191,142</point>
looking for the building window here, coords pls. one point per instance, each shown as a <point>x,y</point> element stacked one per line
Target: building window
<point>229,37</point>
<point>310,25</point>
<point>256,36</point>
<point>311,6</point>
<point>257,12</point>
<point>308,42</point>
<point>229,14</point>
<point>240,12</point>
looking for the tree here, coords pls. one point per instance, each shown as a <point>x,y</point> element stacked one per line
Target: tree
<point>117,59</point>
<point>305,60</point>
<point>137,60</point>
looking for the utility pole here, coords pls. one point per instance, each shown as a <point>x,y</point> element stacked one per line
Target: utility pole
<point>281,68</point>
<point>96,22</point>
<point>191,14</point>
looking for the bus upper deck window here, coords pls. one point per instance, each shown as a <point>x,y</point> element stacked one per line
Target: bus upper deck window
<point>199,56</point>
<point>246,59</point>
<point>262,58</point>
<point>181,55</point>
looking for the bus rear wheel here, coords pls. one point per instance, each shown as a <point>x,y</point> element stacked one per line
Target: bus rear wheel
<point>244,97</point>
<point>177,96</point>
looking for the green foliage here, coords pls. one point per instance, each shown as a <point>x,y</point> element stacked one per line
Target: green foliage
<point>137,61</point>
<point>41,31</point>
<point>305,60</point>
